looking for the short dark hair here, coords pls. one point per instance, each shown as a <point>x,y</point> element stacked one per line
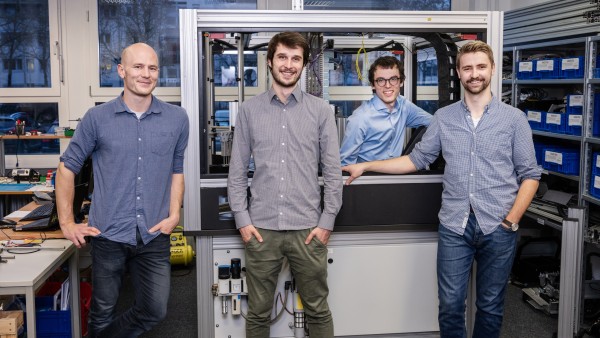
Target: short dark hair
<point>386,62</point>
<point>290,40</point>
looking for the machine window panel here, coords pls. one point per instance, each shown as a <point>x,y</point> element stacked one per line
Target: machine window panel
<point>226,67</point>
<point>345,72</point>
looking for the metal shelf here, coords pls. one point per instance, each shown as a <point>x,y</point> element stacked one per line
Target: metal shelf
<point>550,81</point>
<point>543,220</point>
<point>556,135</point>
<point>591,198</point>
<point>554,173</point>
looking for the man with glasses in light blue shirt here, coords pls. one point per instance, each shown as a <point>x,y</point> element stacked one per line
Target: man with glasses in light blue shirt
<point>376,129</point>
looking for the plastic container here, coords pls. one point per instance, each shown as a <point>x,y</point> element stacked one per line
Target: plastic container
<point>548,69</point>
<point>595,177</point>
<point>49,178</point>
<point>561,160</point>
<point>556,122</point>
<point>526,70</point>
<point>596,122</point>
<point>536,119</point>
<point>574,114</point>
<point>57,324</point>
<point>539,152</point>
<point>572,68</point>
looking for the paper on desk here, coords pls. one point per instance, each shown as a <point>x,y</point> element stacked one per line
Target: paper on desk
<point>17,214</point>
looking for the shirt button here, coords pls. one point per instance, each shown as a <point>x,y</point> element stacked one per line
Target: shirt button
<point>282,161</point>
<point>140,158</point>
<point>139,139</point>
<point>281,213</point>
<point>282,143</point>
<point>471,174</point>
<point>472,153</point>
<point>283,127</point>
<point>281,196</point>
<point>138,197</point>
<point>138,216</point>
<point>282,178</point>
<point>139,178</point>
<point>471,195</point>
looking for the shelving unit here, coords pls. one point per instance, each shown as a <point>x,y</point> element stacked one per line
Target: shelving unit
<point>554,90</point>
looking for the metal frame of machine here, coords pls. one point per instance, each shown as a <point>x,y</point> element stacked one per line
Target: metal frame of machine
<point>411,247</point>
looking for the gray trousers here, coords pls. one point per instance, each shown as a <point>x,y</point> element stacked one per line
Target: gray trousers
<point>308,263</point>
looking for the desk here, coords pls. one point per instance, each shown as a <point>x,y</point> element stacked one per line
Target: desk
<point>19,192</point>
<point>28,272</point>
<point>11,234</point>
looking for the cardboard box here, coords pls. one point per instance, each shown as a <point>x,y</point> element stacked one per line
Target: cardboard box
<point>10,322</point>
<point>8,336</point>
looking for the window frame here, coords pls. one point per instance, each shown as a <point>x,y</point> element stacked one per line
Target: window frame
<point>56,61</point>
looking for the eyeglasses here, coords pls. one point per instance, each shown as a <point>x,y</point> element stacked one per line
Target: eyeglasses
<point>392,80</point>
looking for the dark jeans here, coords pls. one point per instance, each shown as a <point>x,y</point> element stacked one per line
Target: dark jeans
<point>494,254</point>
<point>150,272</point>
<point>308,264</point>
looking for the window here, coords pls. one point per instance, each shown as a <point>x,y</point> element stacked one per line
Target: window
<point>155,22</point>
<point>38,117</point>
<point>24,39</point>
<point>402,5</point>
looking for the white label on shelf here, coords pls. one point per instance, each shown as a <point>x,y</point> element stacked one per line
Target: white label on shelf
<point>570,63</point>
<point>553,157</point>
<point>575,100</point>
<point>526,66</point>
<point>553,118</point>
<point>535,116</point>
<point>545,65</point>
<point>598,162</point>
<point>596,182</point>
<point>575,120</point>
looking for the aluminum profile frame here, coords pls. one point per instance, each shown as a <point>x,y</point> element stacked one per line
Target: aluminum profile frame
<point>193,22</point>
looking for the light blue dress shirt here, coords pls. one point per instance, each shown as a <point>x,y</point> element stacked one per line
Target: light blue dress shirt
<point>373,132</point>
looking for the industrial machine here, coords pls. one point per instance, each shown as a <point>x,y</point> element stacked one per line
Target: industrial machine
<point>382,253</point>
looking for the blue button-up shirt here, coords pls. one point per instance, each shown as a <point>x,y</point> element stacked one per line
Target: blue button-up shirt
<point>133,162</point>
<point>373,132</point>
<point>484,165</point>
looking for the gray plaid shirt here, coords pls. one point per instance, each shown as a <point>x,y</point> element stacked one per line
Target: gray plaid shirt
<point>288,142</point>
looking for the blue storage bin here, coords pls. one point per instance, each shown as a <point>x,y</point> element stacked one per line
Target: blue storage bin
<point>596,117</point>
<point>50,323</point>
<point>575,104</point>
<point>595,177</point>
<point>539,152</point>
<point>536,119</point>
<point>556,122</point>
<point>596,74</point>
<point>572,68</point>
<point>561,160</point>
<point>526,70</point>
<point>547,69</point>
<point>574,122</point>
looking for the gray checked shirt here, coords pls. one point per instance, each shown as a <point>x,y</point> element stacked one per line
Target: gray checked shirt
<point>484,166</point>
<point>288,143</point>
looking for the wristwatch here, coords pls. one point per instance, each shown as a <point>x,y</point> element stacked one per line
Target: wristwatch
<point>511,225</point>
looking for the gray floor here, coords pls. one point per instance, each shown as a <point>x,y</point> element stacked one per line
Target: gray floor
<point>520,320</point>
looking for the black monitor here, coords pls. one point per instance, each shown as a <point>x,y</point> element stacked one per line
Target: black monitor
<point>84,183</point>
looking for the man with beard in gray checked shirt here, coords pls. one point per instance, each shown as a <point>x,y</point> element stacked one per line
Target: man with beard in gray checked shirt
<point>288,133</point>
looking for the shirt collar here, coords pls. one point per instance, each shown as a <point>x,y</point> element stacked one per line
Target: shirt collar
<point>493,102</point>
<point>121,107</point>
<point>296,94</point>
<point>381,106</point>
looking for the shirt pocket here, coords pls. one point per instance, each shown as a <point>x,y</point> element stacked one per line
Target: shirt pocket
<point>161,143</point>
